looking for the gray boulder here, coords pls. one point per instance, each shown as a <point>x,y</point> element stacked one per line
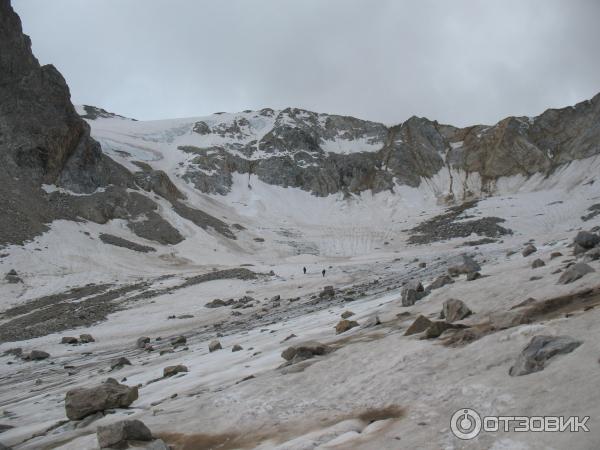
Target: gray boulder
<point>537,263</point>
<point>454,309</point>
<point>82,402</point>
<point>237,348</point>
<point>169,371</point>
<point>12,277</point>
<point>36,355</point>
<point>214,346</point>
<point>575,272</point>
<point>142,341</point>
<point>118,433</point>
<point>586,239</point>
<point>119,363</point>
<point>528,250</point>
<point>69,340</point>
<point>540,349</point>
<point>86,338</point>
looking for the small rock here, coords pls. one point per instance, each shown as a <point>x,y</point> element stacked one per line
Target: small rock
<point>36,355</point>
<point>86,338</point>
<point>575,272</point>
<point>555,255</point>
<point>528,250</point>
<point>13,277</point>
<point>305,350</point>
<point>141,342</point>
<point>237,348</point>
<point>471,276</point>
<point>347,314</point>
<point>119,363</point>
<point>540,349</point>
<point>422,265</point>
<point>118,433</point>
<point>172,370</point>
<point>69,340</point>
<point>179,340</point>
<point>276,298</point>
<point>214,346</point>
<point>454,309</point>
<point>345,325</point>
<point>507,319</point>
<point>537,263</point>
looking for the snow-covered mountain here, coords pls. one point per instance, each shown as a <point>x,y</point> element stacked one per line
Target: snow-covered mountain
<point>204,264</point>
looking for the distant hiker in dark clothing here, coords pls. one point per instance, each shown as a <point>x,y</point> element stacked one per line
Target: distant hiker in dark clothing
<point>304,268</point>
<point>323,272</point>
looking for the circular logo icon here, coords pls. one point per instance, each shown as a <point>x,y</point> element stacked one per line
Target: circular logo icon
<point>465,423</point>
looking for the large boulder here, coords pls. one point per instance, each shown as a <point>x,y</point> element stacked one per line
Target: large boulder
<point>118,433</point>
<point>575,272</point>
<point>464,264</point>
<point>82,402</point>
<point>36,355</point>
<point>586,240</point>
<point>454,309</point>
<point>345,325</point>
<point>540,349</point>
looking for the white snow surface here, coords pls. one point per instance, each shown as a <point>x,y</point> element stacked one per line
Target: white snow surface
<point>357,240</point>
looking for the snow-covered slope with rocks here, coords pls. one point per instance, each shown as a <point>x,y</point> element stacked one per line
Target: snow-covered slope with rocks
<point>170,235</point>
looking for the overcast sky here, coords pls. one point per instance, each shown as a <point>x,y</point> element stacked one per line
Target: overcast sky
<point>460,62</point>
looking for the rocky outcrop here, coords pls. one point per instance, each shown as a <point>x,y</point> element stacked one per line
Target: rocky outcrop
<point>44,142</point>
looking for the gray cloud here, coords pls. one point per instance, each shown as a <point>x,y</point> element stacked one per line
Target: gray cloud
<point>460,62</point>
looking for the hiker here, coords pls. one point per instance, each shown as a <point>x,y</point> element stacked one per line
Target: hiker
<point>304,268</point>
<point>323,272</point>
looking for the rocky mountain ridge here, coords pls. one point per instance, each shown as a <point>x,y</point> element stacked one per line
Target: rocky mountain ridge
<point>326,154</point>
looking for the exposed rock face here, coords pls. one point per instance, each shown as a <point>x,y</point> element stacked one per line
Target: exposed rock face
<point>540,349</point>
<point>43,141</point>
<point>82,402</point>
<point>420,324</point>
